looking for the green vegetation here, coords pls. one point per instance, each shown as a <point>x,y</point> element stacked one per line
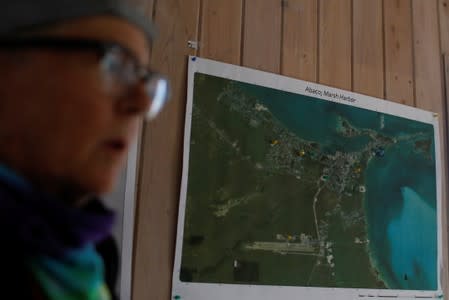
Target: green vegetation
<point>252,180</point>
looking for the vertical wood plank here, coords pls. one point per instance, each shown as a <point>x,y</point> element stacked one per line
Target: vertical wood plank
<point>429,88</point>
<point>444,25</point>
<point>221,27</point>
<point>262,35</point>
<point>299,41</point>
<point>368,58</point>
<point>427,58</point>
<point>335,53</point>
<point>446,77</point>
<point>399,81</point>
<point>161,155</point>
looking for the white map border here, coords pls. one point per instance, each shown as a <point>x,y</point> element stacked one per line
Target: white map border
<point>207,291</point>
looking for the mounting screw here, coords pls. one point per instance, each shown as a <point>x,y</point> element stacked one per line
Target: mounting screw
<point>192,44</point>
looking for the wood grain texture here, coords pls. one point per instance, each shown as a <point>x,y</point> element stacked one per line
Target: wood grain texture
<point>161,156</point>
<point>399,81</point>
<point>444,25</point>
<point>299,40</point>
<point>335,53</point>
<point>221,30</point>
<point>307,39</point>
<point>262,35</point>
<point>368,57</point>
<point>427,58</point>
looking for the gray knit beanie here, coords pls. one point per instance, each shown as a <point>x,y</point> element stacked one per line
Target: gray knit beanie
<point>22,15</point>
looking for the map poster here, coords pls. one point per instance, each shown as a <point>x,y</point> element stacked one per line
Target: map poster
<point>294,190</point>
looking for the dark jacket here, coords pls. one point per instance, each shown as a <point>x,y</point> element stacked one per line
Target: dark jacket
<point>34,225</point>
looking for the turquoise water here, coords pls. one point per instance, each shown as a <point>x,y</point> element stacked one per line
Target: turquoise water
<point>395,228</point>
<point>400,201</point>
<point>314,119</point>
<point>415,269</point>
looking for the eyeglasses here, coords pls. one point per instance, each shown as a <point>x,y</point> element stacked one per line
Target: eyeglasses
<point>115,60</point>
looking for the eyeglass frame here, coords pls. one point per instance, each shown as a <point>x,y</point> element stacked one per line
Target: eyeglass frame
<point>141,73</point>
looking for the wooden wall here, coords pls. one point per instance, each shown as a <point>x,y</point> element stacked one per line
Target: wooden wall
<point>389,49</point>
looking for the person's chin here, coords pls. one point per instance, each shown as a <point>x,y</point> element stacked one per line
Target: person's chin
<point>102,183</point>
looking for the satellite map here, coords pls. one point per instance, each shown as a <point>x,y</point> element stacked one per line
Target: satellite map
<point>291,190</point>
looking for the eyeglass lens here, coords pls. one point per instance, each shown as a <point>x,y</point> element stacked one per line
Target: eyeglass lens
<point>158,91</point>
<point>156,85</point>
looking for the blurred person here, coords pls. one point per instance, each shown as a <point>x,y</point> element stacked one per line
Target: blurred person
<point>75,84</point>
